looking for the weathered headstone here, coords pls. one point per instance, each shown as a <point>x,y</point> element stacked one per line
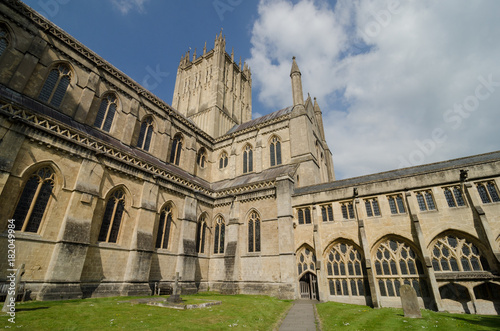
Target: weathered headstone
<point>409,301</point>
<point>175,297</point>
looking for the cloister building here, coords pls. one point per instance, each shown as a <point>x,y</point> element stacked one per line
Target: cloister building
<point>113,191</point>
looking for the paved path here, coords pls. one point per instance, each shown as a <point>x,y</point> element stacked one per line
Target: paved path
<point>300,317</point>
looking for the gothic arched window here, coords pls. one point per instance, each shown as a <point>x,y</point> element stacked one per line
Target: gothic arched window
<point>396,264</point>
<point>219,234</point>
<point>306,261</point>
<point>488,192</point>
<point>451,253</point>
<point>201,230</point>
<point>145,134</point>
<point>4,39</point>
<point>55,85</point>
<point>275,151</point>
<point>175,152</point>
<point>106,112</point>
<point>164,226</point>
<point>223,160</point>
<point>254,232</point>
<point>110,227</point>
<point>346,274</point>
<point>247,159</point>
<point>33,201</point>
<point>201,158</point>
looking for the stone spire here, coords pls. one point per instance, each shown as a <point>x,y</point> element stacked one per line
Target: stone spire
<point>298,96</point>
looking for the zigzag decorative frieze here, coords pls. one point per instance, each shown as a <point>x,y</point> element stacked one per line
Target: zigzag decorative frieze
<point>99,147</point>
<point>241,189</point>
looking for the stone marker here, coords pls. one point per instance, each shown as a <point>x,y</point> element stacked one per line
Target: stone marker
<point>175,297</point>
<point>409,301</point>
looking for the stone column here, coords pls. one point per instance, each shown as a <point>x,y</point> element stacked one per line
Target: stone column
<point>289,283</point>
<point>136,280</point>
<point>231,256</point>
<point>62,279</point>
<point>188,257</point>
<point>372,280</point>
<point>425,253</point>
<point>10,144</point>
<point>318,252</point>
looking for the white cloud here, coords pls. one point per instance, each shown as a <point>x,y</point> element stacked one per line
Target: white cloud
<point>387,75</point>
<point>124,6</point>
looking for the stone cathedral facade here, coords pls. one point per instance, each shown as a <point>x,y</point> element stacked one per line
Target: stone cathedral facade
<point>113,191</point>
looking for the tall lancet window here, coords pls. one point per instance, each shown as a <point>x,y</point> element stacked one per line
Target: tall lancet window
<point>4,39</point>
<point>145,134</point>
<point>175,152</point>
<point>164,226</point>
<point>55,85</point>
<point>219,234</point>
<point>33,201</point>
<point>275,151</point>
<point>106,112</point>
<point>254,232</point>
<point>201,230</point>
<point>247,159</point>
<point>112,218</point>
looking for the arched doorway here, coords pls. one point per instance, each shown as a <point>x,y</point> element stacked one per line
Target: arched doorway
<point>308,287</point>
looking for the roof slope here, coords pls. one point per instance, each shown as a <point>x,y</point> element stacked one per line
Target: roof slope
<point>260,120</point>
<point>405,172</point>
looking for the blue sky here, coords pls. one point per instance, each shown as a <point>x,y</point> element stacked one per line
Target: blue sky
<point>400,82</point>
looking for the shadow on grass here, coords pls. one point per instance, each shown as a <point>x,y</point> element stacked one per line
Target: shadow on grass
<point>31,309</point>
<point>484,321</point>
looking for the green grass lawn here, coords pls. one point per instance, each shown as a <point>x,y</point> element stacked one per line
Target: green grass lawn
<point>237,312</point>
<point>335,316</point>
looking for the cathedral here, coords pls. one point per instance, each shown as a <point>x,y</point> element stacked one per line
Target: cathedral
<point>111,191</point>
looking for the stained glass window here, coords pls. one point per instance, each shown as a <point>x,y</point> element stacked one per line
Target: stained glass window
<point>112,218</point>
<point>33,202</point>
<point>275,151</point>
<point>175,152</point>
<point>145,134</point>
<point>106,112</point>
<point>55,85</point>
<point>164,227</point>
<point>254,232</point>
<point>219,234</point>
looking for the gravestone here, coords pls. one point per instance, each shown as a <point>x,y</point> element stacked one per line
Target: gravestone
<point>175,297</point>
<point>409,301</point>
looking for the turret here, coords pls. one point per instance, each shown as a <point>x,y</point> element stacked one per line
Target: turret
<point>295,75</point>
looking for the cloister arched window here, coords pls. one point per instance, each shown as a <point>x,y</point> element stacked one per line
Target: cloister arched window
<point>306,261</point>
<point>219,235</point>
<point>33,201</point>
<point>112,218</point>
<point>223,160</point>
<point>396,263</point>
<point>55,85</point>
<point>164,227</point>
<point>451,253</point>
<point>345,271</point>
<point>275,151</point>
<point>145,133</point>
<point>106,112</point>
<point>254,232</point>
<point>247,159</point>
<point>201,230</point>
<point>201,157</point>
<point>175,152</point>
<point>4,39</point>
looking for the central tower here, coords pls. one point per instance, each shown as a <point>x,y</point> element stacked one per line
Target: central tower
<point>213,90</point>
